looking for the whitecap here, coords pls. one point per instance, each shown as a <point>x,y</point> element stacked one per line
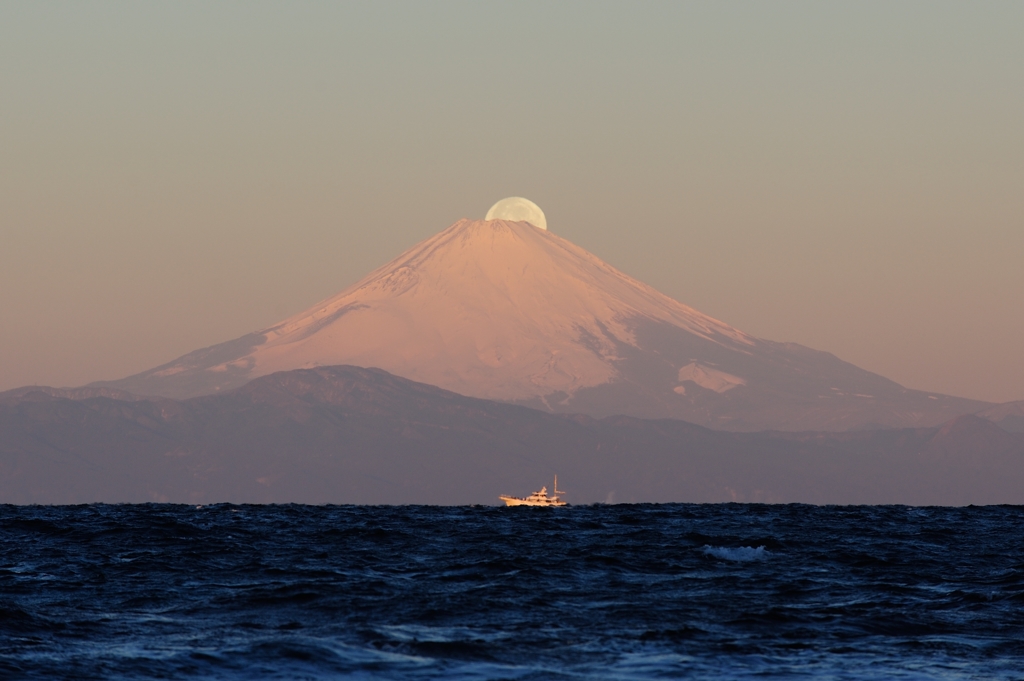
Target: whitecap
<point>739,554</point>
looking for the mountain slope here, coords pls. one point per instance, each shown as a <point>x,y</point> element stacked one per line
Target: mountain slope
<point>354,435</point>
<point>506,311</point>
<point>1009,415</point>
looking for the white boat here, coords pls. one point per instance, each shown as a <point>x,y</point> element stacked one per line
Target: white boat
<point>540,498</point>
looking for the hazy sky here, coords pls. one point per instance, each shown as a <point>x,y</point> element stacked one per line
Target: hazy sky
<point>849,177</point>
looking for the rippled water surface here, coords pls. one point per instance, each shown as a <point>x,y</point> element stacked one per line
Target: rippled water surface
<point>602,592</point>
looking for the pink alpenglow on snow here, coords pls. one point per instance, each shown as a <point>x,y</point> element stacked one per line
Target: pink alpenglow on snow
<point>493,309</point>
<point>508,311</point>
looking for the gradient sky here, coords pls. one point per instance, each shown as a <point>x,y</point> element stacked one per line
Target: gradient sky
<point>846,177</point>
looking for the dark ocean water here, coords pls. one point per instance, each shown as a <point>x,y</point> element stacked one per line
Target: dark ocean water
<point>602,592</point>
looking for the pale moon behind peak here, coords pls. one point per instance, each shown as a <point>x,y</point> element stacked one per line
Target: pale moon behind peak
<point>518,209</point>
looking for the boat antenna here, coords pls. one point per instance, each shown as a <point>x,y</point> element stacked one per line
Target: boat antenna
<point>557,491</point>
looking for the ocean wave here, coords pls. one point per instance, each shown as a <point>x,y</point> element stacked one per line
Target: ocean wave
<point>420,593</point>
<point>739,554</point>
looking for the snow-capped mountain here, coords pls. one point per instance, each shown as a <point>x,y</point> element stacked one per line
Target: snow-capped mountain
<point>506,311</point>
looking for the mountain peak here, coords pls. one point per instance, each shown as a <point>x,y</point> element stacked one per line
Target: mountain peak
<point>504,310</point>
<point>489,308</point>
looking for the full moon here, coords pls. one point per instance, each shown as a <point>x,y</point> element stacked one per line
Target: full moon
<point>518,209</point>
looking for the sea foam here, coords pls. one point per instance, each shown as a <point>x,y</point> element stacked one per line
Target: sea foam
<point>739,554</point>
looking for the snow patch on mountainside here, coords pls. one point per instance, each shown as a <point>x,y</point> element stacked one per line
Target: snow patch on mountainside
<point>709,378</point>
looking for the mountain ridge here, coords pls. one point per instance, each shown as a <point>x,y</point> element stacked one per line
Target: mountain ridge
<point>354,435</point>
<point>506,311</point>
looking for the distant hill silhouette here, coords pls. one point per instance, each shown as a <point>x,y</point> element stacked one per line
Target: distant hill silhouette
<point>345,434</point>
<point>1009,415</point>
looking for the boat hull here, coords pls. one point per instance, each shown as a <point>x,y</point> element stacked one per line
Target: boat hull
<point>516,501</point>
